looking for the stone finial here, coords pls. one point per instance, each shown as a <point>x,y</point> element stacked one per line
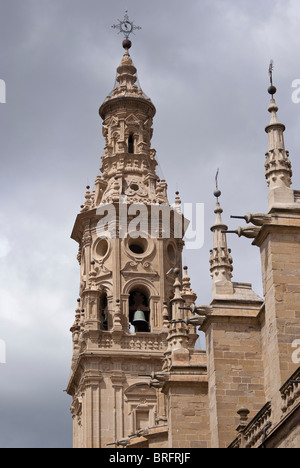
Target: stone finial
<point>76,325</point>
<point>186,280</point>
<point>278,165</point>
<point>178,203</point>
<point>177,284</point>
<point>187,293</point>
<point>165,315</point>
<point>88,200</point>
<point>243,414</point>
<point>220,260</point>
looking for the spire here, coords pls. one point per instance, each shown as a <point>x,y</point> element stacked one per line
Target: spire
<point>187,293</point>
<point>220,260</point>
<point>126,78</point>
<point>126,84</point>
<point>127,115</point>
<point>278,165</point>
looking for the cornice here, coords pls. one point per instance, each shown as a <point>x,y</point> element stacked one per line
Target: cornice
<point>274,228</point>
<point>126,102</point>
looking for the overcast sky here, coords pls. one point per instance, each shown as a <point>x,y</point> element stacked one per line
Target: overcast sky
<point>204,64</point>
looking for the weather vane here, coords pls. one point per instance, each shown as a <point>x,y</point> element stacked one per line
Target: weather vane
<point>126,26</point>
<point>217,192</point>
<point>272,90</point>
<point>217,179</point>
<point>271,69</point>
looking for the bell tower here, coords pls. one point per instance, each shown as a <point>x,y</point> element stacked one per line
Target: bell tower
<point>130,241</point>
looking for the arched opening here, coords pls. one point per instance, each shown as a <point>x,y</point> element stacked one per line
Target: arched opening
<point>139,311</point>
<point>130,144</point>
<point>103,312</point>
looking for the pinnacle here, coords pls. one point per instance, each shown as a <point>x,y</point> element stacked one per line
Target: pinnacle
<point>127,62</point>
<point>273,109</point>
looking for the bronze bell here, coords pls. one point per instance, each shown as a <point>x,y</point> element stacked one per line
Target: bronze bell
<point>139,321</point>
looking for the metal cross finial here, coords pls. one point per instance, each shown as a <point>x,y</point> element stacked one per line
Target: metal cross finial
<point>126,26</point>
<point>271,68</point>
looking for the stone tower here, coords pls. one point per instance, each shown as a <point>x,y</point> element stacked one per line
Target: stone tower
<point>130,241</point>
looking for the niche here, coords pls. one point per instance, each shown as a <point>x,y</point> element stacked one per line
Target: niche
<point>130,144</point>
<point>103,312</point>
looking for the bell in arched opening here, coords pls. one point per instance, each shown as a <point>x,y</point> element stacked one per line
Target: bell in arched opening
<point>139,311</point>
<point>139,322</point>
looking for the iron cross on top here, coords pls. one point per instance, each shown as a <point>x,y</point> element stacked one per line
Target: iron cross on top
<point>126,26</point>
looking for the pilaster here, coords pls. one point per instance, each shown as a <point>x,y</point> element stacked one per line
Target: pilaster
<point>91,408</point>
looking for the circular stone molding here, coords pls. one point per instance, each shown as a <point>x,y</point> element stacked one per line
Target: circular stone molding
<point>101,249</point>
<point>140,247</point>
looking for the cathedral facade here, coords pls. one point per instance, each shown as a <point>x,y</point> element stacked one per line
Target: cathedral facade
<point>137,380</point>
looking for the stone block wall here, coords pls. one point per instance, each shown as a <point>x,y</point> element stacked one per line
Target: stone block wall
<point>188,412</point>
<point>235,373</point>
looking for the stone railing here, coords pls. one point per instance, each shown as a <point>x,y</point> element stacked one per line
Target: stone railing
<point>140,341</point>
<point>253,433</point>
<point>251,436</point>
<point>290,393</point>
<point>144,342</point>
<point>237,443</point>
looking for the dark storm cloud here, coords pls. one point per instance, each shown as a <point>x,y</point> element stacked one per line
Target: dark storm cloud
<point>204,64</point>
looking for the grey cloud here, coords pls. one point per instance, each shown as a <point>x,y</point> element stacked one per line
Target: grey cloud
<point>204,64</point>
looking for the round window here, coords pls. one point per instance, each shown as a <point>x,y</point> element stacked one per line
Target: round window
<point>138,246</point>
<point>102,248</point>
